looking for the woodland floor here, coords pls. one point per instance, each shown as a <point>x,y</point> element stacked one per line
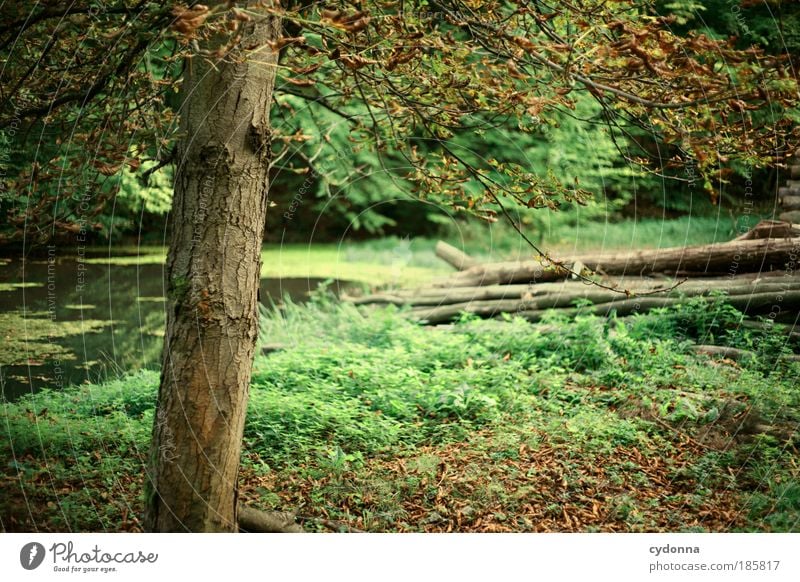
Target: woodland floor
<point>368,421</point>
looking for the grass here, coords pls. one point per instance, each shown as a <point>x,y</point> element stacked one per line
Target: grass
<point>398,261</point>
<point>394,262</point>
<point>389,261</point>
<point>373,421</point>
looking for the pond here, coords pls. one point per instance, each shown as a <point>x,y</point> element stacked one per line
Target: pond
<point>66,320</point>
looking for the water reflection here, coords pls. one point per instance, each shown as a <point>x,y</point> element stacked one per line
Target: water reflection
<point>64,321</point>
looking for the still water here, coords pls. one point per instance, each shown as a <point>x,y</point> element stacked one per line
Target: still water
<point>66,321</point>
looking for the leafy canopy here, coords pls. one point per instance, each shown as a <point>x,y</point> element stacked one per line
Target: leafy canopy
<point>91,89</point>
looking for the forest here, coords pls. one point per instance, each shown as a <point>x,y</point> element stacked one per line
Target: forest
<point>387,266</point>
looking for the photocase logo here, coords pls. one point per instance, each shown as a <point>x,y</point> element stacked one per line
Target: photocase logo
<point>31,555</point>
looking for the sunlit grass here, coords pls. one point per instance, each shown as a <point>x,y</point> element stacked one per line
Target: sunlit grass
<point>130,256</point>
<point>394,261</point>
<point>356,262</point>
<point>382,262</point>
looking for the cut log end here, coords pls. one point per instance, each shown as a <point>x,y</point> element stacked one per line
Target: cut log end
<point>771,229</point>
<point>791,216</point>
<point>454,257</point>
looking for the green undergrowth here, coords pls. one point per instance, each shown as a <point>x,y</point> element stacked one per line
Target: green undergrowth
<point>583,424</point>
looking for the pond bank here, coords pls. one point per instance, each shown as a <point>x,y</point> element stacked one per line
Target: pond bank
<point>68,319</point>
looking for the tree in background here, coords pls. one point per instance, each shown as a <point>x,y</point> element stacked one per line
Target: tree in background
<point>421,85</point>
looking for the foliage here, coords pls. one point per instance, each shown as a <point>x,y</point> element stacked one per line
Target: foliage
<point>348,187</point>
<point>92,97</point>
<point>333,185</point>
<point>138,195</point>
<point>85,99</point>
<point>771,26</point>
<point>533,48</point>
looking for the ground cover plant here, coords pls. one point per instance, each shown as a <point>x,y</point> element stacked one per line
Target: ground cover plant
<point>365,420</point>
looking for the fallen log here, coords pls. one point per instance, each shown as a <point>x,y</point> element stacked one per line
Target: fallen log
<point>771,229</point>
<point>789,202</point>
<point>453,256</point>
<point>568,291</point>
<point>729,257</point>
<point>736,354</point>
<point>750,304</point>
<point>790,216</point>
<point>257,521</point>
<point>439,295</point>
<point>506,273</point>
<point>603,302</point>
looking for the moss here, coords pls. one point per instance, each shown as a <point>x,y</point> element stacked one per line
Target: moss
<point>29,338</point>
<point>15,286</point>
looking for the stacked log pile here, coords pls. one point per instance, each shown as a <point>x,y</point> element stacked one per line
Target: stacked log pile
<point>758,273</point>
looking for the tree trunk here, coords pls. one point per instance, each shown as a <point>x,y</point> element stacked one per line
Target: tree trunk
<point>217,225</point>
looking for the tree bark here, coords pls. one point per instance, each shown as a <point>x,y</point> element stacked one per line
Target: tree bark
<point>217,225</point>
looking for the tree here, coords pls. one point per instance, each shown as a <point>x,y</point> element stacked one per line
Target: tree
<point>416,85</point>
<point>213,267</point>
